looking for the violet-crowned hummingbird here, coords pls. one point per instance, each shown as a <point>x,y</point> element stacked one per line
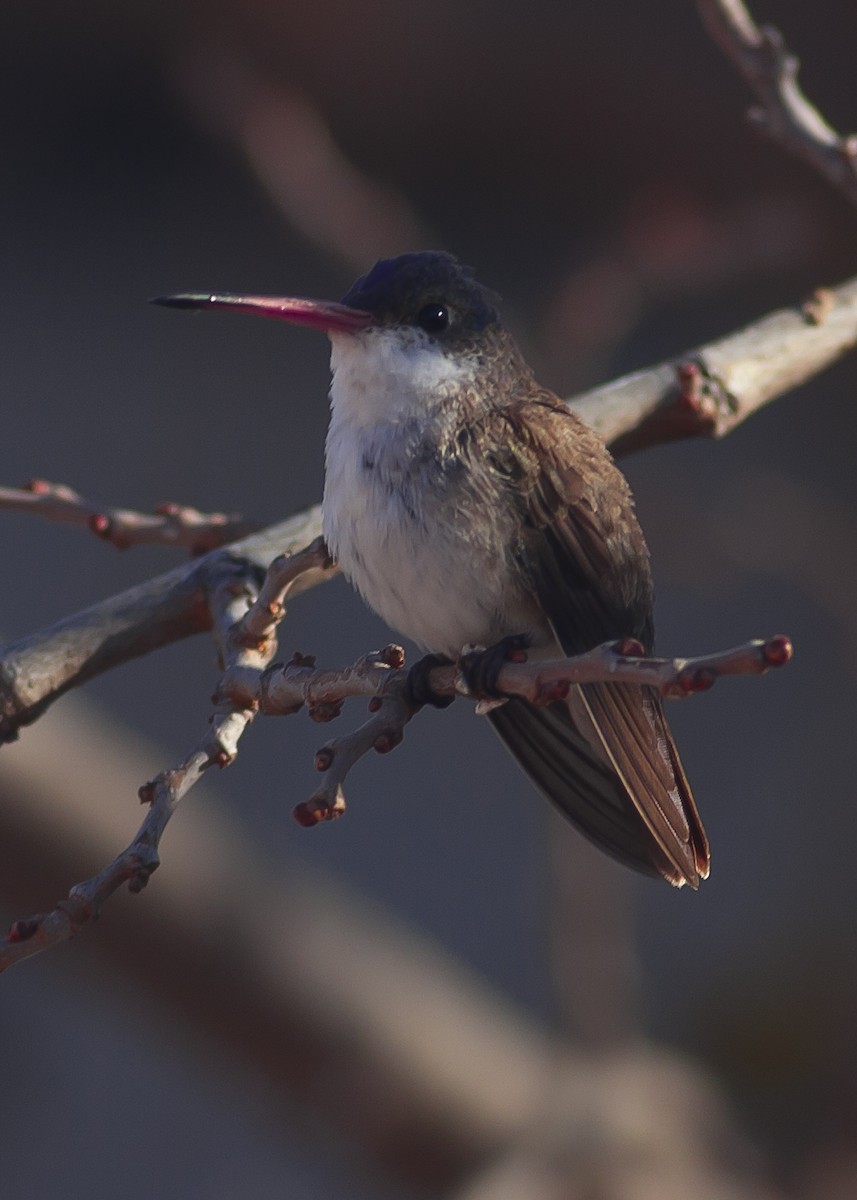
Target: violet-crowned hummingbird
<point>468,505</point>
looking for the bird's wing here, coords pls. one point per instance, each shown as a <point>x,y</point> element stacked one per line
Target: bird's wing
<point>607,759</point>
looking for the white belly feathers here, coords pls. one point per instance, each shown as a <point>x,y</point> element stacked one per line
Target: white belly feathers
<point>397,520</point>
<point>420,574</point>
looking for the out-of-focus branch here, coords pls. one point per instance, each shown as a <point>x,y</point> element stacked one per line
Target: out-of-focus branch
<point>169,525</point>
<point>351,215</point>
<point>785,114</point>
<point>627,1125</point>
<point>306,981</point>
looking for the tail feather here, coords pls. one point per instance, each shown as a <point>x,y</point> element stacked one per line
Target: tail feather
<point>620,782</point>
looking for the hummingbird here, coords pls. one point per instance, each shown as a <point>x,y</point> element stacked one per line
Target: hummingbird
<point>470,507</point>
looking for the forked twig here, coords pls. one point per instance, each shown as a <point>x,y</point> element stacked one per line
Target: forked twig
<point>244,624</point>
<point>381,676</point>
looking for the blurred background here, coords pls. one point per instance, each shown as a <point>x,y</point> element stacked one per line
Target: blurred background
<point>446,993</point>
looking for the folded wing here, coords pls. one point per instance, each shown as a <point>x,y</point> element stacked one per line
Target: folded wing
<point>607,759</point>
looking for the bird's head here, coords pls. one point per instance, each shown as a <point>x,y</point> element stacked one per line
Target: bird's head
<point>408,332</point>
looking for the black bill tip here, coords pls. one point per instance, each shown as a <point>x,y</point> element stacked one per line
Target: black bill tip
<point>184,300</point>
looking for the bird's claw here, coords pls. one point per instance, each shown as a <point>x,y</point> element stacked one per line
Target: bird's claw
<point>418,690</point>
<point>480,668</point>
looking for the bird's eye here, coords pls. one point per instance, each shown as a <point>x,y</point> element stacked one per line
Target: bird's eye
<point>433,318</point>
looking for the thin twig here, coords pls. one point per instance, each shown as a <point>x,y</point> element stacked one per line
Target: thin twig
<point>170,524</point>
<point>785,114</point>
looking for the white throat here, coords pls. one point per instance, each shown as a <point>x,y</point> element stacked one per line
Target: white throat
<point>388,376</point>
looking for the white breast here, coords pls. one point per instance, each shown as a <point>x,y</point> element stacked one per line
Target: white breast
<point>406,540</point>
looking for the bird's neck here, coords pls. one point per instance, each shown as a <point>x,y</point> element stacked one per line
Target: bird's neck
<point>381,378</point>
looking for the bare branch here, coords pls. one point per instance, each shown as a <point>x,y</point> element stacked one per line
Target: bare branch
<point>785,115</point>
<point>170,525</point>
<point>38,669</point>
<point>622,662</point>
<point>259,623</point>
<point>243,628</point>
<point>709,391</point>
<point>381,676</point>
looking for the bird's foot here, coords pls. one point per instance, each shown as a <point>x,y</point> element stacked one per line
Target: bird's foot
<point>418,689</point>
<point>480,668</point>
